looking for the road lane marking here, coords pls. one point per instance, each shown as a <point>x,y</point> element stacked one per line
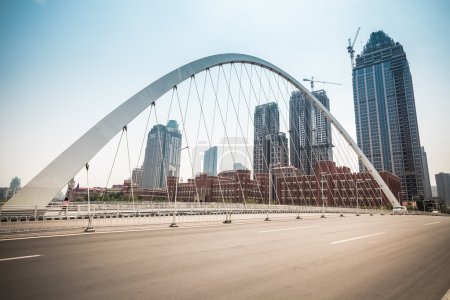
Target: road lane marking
<point>19,257</point>
<point>356,238</point>
<point>292,228</point>
<point>431,223</point>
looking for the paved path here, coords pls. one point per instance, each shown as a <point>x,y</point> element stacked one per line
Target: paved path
<point>366,257</point>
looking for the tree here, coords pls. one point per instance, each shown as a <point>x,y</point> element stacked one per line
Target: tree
<point>15,183</point>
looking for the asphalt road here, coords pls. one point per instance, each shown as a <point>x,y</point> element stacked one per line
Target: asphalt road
<point>366,257</point>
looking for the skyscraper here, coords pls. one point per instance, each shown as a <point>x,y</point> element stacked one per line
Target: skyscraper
<point>210,161</point>
<point>426,175</point>
<point>162,155</point>
<point>270,145</point>
<point>138,176</point>
<point>443,187</point>
<point>385,112</point>
<point>310,132</point>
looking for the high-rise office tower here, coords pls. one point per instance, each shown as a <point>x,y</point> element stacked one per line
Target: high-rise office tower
<point>443,187</point>
<point>210,161</point>
<point>270,145</point>
<point>310,132</point>
<point>426,175</point>
<point>162,155</point>
<point>276,149</point>
<point>138,176</point>
<point>385,112</point>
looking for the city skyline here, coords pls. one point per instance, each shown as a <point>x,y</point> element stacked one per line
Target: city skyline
<point>106,71</point>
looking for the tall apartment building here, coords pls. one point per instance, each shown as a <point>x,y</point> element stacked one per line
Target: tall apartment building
<point>162,155</point>
<point>210,161</point>
<point>443,187</point>
<point>270,145</point>
<point>138,176</point>
<point>385,113</point>
<point>426,175</point>
<point>310,132</point>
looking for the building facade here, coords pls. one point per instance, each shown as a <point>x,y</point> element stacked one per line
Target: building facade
<point>210,161</point>
<point>385,113</point>
<point>443,187</point>
<point>138,176</point>
<point>426,175</point>
<point>270,145</point>
<point>339,187</point>
<point>310,132</point>
<point>162,155</point>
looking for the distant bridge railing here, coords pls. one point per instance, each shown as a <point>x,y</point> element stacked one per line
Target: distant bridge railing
<point>72,216</point>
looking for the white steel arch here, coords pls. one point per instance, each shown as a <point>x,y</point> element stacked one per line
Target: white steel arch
<point>44,186</point>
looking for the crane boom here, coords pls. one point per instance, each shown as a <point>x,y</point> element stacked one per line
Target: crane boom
<point>350,49</point>
<point>356,36</point>
<point>312,80</point>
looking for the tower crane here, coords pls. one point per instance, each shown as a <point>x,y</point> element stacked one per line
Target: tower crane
<point>312,80</point>
<point>350,49</point>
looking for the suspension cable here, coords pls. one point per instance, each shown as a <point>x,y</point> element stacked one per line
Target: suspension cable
<point>112,166</point>
<point>129,165</point>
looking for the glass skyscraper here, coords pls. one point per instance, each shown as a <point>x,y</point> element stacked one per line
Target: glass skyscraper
<point>385,113</point>
<point>210,161</point>
<point>310,138</point>
<point>270,145</point>
<point>162,155</point>
<point>443,187</point>
<point>426,175</point>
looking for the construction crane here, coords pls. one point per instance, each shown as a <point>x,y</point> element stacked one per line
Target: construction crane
<point>350,49</point>
<point>312,80</point>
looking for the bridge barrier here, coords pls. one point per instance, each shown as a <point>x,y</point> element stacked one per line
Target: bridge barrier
<point>75,216</point>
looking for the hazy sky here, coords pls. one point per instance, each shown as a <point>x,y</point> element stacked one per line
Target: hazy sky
<point>65,64</point>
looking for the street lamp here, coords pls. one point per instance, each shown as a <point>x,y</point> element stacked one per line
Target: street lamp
<point>270,192</point>
<point>322,175</point>
<point>357,201</point>
<point>381,201</point>
<point>90,227</point>
<point>177,173</point>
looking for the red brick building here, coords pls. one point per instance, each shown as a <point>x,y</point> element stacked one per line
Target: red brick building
<point>339,185</point>
<point>330,184</point>
<point>336,186</point>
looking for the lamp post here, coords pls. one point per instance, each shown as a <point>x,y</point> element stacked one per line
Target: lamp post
<point>368,184</point>
<point>322,175</point>
<point>357,200</point>
<point>270,193</point>
<point>177,173</point>
<point>90,227</point>
<point>381,201</point>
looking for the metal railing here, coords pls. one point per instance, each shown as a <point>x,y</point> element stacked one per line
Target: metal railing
<point>59,217</point>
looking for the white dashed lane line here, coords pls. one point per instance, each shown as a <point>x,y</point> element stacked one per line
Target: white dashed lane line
<point>356,238</point>
<point>19,257</point>
<point>431,223</point>
<point>284,229</point>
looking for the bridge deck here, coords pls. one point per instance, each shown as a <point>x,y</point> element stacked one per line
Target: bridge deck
<point>380,257</point>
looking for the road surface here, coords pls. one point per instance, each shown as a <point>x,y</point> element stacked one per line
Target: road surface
<point>365,257</point>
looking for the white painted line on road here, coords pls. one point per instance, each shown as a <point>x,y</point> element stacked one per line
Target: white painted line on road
<point>431,223</point>
<point>19,257</point>
<point>292,228</point>
<point>356,238</point>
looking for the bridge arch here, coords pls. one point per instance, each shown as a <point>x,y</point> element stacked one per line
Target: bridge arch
<point>44,186</point>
